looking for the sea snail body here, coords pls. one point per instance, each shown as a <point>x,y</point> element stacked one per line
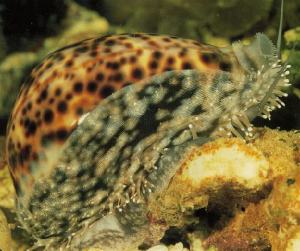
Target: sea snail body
<point>96,125</point>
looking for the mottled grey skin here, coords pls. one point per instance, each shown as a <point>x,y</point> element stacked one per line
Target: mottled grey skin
<point>116,153</point>
<point>126,150</point>
<point>129,228</point>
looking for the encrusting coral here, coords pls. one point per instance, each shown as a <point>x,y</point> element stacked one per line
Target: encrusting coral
<point>271,222</point>
<point>232,181</point>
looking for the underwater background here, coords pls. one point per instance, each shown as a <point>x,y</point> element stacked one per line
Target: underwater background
<point>30,29</point>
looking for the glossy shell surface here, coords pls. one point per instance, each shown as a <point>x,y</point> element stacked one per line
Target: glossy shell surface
<point>73,80</point>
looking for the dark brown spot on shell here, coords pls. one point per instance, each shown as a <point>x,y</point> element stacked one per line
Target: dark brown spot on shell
<point>48,116</point>
<point>61,134</point>
<point>153,43</point>
<point>166,39</point>
<point>57,92</point>
<point>170,60</point>
<point>35,156</point>
<point>107,50</point>
<point>62,106</point>
<point>118,77</point>
<point>78,87</point>
<point>132,59</point>
<point>25,153</point>
<point>69,96</point>
<point>100,76</point>
<point>37,114</point>
<point>92,86</point>
<point>186,66</point>
<point>43,95</point>
<point>106,91</point>
<point>123,60</point>
<point>26,122</point>
<point>137,73</point>
<point>139,52</point>
<point>69,63</point>
<point>31,128</point>
<point>115,65</point>
<point>153,64</point>
<point>93,53</point>
<point>157,54</point>
<point>128,45</point>
<point>110,42</point>
<point>54,73</point>
<point>208,58</point>
<point>51,101</point>
<point>183,52</point>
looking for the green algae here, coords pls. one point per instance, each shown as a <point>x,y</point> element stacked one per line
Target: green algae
<point>292,55</point>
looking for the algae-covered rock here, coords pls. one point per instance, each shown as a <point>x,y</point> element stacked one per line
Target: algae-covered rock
<point>271,223</point>
<point>292,38</point>
<point>79,23</point>
<point>209,176</point>
<point>283,208</point>
<point>3,47</point>
<point>229,184</point>
<point>189,18</point>
<point>291,12</point>
<point>5,236</point>
<point>7,191</point>
<point>239,16</point>
<point>162,17</point>
<point>13,70</point>
<point>294,241</point>
<point>177,247</point>
<point>6,201</point>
